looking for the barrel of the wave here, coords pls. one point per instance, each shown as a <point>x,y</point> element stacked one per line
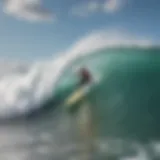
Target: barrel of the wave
<point>126,102</point>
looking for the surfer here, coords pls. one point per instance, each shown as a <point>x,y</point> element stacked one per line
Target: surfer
<point>85,76</point>
<point>81,107</point>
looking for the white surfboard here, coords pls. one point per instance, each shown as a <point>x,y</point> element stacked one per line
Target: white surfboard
<point>77,96</point>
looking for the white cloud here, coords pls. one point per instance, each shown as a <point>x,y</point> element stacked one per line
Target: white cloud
<point>91,7</point>
<point>31,10</point>
<point>113,5</point>
<point>85,9</point>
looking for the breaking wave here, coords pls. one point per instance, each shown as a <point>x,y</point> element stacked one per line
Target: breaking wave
<point>24,87</point>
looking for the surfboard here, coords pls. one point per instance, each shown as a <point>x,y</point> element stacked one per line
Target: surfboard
<point>76,96</point>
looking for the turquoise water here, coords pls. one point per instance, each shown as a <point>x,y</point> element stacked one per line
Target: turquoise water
<point>125,104</point>
<point>126,101</point>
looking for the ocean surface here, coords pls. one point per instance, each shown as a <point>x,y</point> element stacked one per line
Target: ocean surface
<point>34,124</point>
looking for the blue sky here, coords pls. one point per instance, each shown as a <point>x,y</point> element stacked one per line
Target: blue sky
<point>30,29</point>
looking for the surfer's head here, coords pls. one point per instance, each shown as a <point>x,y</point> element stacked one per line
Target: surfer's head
<point>85,76</point>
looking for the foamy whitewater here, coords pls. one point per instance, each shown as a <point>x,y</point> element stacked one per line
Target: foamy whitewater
<point>23,87</point>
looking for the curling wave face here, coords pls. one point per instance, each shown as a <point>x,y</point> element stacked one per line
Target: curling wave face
<point>26,87</point>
